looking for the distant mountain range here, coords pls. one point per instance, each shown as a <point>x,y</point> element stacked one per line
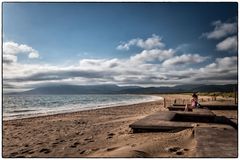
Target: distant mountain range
<point>114,89</point>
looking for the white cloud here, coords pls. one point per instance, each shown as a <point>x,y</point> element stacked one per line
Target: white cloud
<point>152,42</point>
<point>12,48</point>
<point>228,44</point>
<point>151,55</point>
<point>221,30</point>
<point>33,55</point>
<point>224,63</point>
<point>126,46</point>
<point>99,63</point>
<point>184,59</point>
<point>8,59</point>
<point>149,43</point>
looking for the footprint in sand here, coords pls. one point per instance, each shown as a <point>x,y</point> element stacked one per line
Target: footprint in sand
<point>174,149</point>
<point>54,144</point>
<point>86,151</point>
<point>39,143</point>
<point>179,153</point>
<point>112,148</point>
<point>177,150</point>
<point>45,150</point>
<point>90,139</point>
<point>30,152</point>
<point>121,133</point>
<point>25,150</point>
<point>75,145</point>
<point>95,149</point>
<point>133,145</point>
<point>82,152</point>
<point>13,154</point>
<point>140,154</point>
<point>110,135</point>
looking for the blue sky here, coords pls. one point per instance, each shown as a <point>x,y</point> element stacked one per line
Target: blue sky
<point>68,34</point>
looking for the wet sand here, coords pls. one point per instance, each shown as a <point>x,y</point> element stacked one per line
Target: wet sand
<point>100,133</point>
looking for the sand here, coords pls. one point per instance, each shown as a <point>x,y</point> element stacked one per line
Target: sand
<point>99,133</point>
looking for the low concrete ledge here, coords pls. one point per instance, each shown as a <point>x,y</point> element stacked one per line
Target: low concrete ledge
<point>176,108</point>
<point>197,115</point>
<point>220,107</point>
<point>168,120</point>
<point>153,125</point>
<point>181,107</point>
<point>216,142</point>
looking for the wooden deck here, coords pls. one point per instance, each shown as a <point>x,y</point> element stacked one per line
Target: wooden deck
<point>216,142</point>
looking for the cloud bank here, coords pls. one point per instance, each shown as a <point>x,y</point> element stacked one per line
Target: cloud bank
<point>153,66</point>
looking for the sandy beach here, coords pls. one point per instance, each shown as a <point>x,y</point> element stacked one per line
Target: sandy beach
<point>100,133</point>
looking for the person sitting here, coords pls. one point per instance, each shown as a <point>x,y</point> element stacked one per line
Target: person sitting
<point>194,103</point>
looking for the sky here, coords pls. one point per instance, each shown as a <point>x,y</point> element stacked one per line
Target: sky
<point>143,44</point>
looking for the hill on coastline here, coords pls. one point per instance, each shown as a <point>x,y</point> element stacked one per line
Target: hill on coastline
<point>114,89</point>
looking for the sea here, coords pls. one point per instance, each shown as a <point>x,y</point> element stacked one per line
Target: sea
<point>23,106</point>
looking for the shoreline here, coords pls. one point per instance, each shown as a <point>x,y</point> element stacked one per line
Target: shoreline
<point>154,98</point>
<point>81,111</point>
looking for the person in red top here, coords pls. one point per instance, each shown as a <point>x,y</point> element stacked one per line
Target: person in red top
<point>194,103</point>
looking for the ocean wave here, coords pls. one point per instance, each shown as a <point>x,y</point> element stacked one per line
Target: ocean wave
<point>18,107</point>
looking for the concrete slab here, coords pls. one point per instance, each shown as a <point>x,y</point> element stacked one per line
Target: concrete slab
<point>197,115</point>
<point>220,107</point>
<point>160,116</point>
<point>234,121</point>
<point>225,120</point>
<point>176,108</point>
<point>216,142</point>
<point>181,107</point>
<point>168,120</point>
<point>175,104</point>
<point>155,125</point>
